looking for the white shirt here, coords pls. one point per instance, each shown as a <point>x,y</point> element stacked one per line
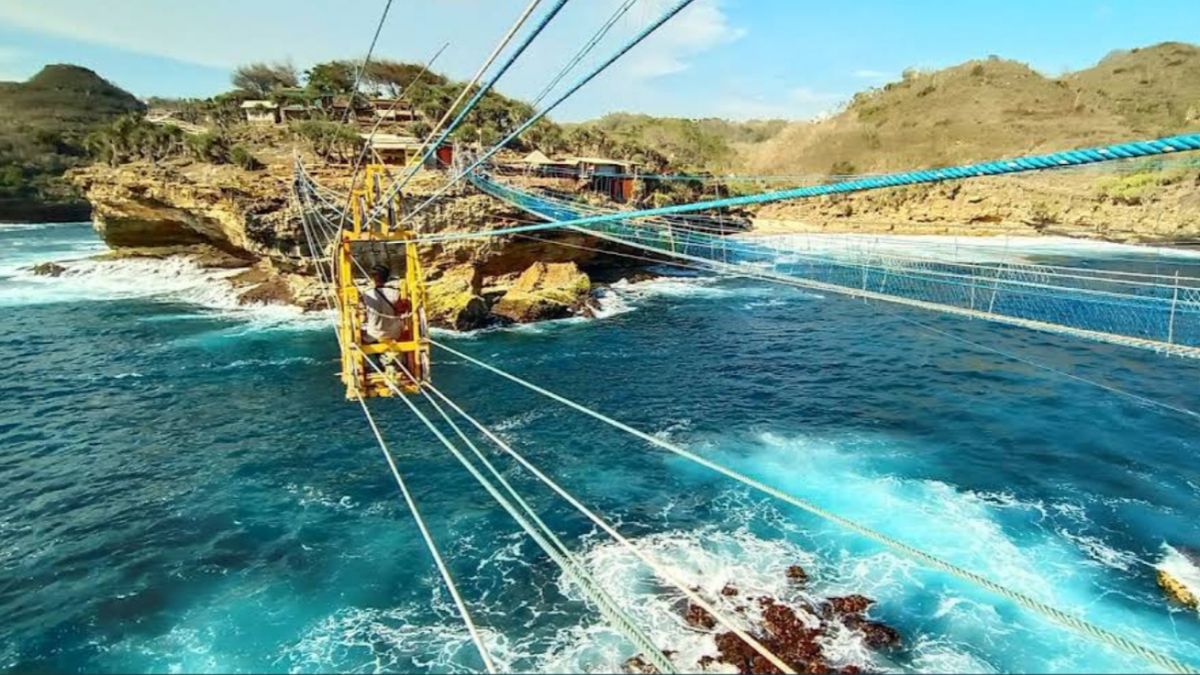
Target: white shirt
<point>382,321</point>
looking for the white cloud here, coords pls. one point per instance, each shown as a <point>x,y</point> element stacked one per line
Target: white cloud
<point>796,103</point>
<point>216,33</point>
<point>697,29</point>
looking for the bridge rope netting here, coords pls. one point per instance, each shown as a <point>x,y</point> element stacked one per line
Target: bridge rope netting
<point>1152,312</point>
<point>1141,310</point>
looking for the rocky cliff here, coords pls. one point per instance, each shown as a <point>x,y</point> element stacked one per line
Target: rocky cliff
<point>224,216</point>
<point>1149,205</point>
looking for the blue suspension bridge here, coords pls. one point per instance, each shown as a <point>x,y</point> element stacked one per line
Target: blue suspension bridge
<point>1144,311</point>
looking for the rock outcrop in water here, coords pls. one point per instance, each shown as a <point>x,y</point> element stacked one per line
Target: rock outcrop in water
<point>223,216</point>
<point>797,632</point>
<point>546,291</point>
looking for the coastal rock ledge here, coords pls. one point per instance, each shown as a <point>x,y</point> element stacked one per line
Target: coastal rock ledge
<point>224,217</point>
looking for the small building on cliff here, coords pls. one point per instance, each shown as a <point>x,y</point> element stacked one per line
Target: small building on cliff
<point>391,110</point>
<point>616,178</point>
<point>399,150</point>
<point>260,111</point>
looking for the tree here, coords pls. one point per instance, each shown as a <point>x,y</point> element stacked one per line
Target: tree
<point>333,78</point>
<point>263,78</point>
<point>392,77</point>
<point>130,138</point>
<point>331,141</point>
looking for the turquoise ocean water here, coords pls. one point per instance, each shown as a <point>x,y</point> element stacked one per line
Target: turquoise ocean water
<point>185,487</point>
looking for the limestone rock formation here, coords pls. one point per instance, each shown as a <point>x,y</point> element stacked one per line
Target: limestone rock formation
<point>1148,206</point>
<point>144,205</point>
<point>546,291</point>
<point>455,299</point>
<point>226,218</point>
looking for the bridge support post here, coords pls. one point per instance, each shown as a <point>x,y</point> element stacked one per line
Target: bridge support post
<point>1174,304</point>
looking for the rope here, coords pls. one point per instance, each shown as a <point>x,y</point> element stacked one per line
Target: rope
<point>487,63</point>
<point>583,51</point>
<point>1161,146</point>
<point>367,144</point>
<point>443,570</point>
<point>666,245</point>
<point>1032,324</point>
<point>534,118</point>
<point>1050,369</point>
<point>939,332</point>
<point>658,568</point>
<point>1052,613</point>
<point>616,617</point>
<point>437,557</point>
<point>366,61</point>
<point>780,243</point>
<point>480,93</point>
<point>1058,616</point>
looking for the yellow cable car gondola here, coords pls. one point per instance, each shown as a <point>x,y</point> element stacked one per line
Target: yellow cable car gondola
<point>376,239</point>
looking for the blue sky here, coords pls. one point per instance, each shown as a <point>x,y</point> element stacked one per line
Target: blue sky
<point>729,58</point>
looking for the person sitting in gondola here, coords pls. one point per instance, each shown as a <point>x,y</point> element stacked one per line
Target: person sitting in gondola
<point>388,314</point>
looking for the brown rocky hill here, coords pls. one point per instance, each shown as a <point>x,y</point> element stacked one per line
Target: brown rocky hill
<point>993,108</point>
<point>1156,90</point>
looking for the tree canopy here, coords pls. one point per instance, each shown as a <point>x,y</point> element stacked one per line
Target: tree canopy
<point>263,78</point>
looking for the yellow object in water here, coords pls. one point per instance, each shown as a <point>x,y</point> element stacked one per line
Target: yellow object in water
<point>1176,591</point>
<point>376,237</point>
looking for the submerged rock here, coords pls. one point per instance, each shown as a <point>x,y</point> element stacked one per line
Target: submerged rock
<point>797,575</point>
<point>545,291</point>
<point>698,617</point>
<point>49,269</point>
<point>266,283</point>
<point>846,606</point>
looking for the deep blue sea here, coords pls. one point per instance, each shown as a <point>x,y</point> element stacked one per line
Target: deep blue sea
<point>185,488</point>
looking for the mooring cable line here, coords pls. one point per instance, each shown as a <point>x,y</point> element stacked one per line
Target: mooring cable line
<point>1077,624</point>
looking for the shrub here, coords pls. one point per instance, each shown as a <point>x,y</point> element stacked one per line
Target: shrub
<point>330,141</point>
<point>842,168</point>
<point>240,156</point>
<point>211,147</point>
<point>130,138</point>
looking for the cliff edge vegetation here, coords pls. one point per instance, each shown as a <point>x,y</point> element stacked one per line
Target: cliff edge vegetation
<point>44,124</point>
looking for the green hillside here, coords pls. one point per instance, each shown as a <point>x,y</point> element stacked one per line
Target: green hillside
<point>43,122</point>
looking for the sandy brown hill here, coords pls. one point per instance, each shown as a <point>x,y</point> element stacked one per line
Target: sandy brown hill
<point>987,109</point>
<point>1155,90</point>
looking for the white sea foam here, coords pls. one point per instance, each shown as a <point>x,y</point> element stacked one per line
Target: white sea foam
<point>174,279</point>
<point>20,227</point>
<point>970,530</point>
<point>972,249</point>
<point>361,640</point>
<point>263,363</point>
